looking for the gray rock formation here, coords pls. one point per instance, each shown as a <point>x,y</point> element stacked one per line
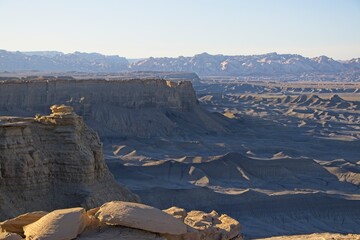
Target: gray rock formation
<point>53,162</point>
<point>141,108</point>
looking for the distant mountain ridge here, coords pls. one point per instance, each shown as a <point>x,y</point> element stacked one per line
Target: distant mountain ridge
<point>57,61</point>
<point>204,64</point>
<point>267,64</point>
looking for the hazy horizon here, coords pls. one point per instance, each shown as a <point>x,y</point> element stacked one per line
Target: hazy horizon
<point>139,58</point>
<point>159,28</point>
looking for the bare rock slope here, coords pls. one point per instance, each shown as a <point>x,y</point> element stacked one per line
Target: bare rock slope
<point>51,162</point>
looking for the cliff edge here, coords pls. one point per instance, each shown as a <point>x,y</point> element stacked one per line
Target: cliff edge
<point>116,108</point>
<point>50,162</point>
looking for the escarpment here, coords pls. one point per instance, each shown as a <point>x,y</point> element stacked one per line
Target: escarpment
<point>113,108</point>
<point>51,162</point>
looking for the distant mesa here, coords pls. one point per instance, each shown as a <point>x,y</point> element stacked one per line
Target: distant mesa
<point>112,107</point>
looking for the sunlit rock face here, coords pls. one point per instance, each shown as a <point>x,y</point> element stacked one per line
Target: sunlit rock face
<point>124,221</point>
<point>50,162</point>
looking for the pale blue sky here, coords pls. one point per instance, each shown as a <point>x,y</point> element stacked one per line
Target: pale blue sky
<point>144,28</point>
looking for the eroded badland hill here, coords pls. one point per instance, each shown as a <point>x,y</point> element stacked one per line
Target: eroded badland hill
<point>281,158</point>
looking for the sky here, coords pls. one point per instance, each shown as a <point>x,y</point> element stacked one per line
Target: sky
<point>171,28</point>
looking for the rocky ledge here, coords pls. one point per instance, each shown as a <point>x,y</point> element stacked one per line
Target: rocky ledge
<point>51,162</point>
<point>121,220</point>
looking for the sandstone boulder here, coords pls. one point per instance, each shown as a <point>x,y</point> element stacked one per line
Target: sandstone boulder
<point>63,224</point>
<point>122,221</point>
<point>178,213</point>
<point>229,226</point>
<point>213,226</point>
<point>16,225</point>
<point>140,216</point>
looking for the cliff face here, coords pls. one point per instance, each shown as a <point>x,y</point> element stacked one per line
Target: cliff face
<point>50,162</point>
<point>113,108</point>
<point>39,94</point>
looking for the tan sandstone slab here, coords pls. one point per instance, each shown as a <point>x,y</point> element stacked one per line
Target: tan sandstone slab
<point>213,226</point>
<point>16,224</point>
<point>176,212</point>
<point>63,224</point>
<point>140,216</point>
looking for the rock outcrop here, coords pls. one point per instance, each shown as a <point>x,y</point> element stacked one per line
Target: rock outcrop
<point>139,216</point>
<point>178,213</point>
<point>114,108</point>
<point>123,220</point>
<point>16,224</point>
<point>51,162</point>
<point>71,221</point>
<point>203,226</point>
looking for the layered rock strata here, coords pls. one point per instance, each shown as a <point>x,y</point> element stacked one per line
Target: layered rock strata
<point>41,93</point>
<point>113,108</point>
<point>51,162</point>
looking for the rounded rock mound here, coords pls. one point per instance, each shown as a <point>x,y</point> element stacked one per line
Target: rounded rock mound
<point>140,216</point>
<point>60,224</point>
